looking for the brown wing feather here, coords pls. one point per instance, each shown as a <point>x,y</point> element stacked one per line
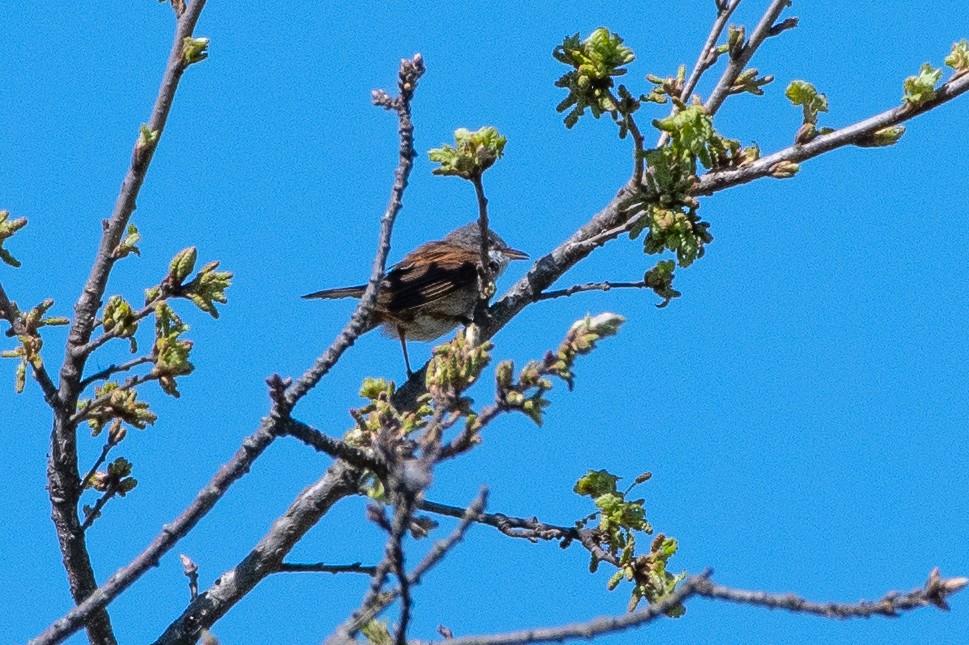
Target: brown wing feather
<point>438,274</point>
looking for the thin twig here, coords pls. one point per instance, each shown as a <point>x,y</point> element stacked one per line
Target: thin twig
<point>736,65</point>
<point>94,512</point>
<point>485,274</point>
<point>191,571</point>
<point>409,73</point>
<point>108,445</point>
<point>319,567</point>
<point>705,60</point>
<point>591,286</point>
<point>334,447</point>
<point>115,369</point>
<point>529,529</point>
<point>720,179</point>
<point>10,313</point>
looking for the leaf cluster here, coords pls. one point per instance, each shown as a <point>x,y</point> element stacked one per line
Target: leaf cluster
<point>619,521</point>
<point>27,326</point>
<point>7,228</point>
<point>115,404</point>
<point>527,392</point>
<point>471,154</point>
<point>595,61</point>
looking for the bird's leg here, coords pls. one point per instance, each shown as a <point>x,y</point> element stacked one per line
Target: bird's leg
<point>403,346</point>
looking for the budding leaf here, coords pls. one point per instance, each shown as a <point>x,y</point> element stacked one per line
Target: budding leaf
<point>7,229</point>
<point>472,154</point>
<point>811,101</point>
<point>921,88</point>
<point>958,58</point>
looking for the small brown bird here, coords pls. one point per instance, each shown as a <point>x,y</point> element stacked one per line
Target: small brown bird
<point>434,288</point>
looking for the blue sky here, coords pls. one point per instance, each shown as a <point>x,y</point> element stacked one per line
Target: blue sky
<point>802,407</point>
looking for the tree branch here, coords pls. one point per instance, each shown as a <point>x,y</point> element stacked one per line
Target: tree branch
<point>528,529</point>
<point>319,567</point>
<point>334,447</point>
<point>409,73</point>
<point>591,286</point>
<point>266,556</point>
<point>62,470</point>
<point>736,65</point>
<point>171,533</point>
<point>934,592</point>
<point>852,134</point>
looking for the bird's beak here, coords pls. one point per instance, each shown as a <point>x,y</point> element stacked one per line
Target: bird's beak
<point>513,254</point>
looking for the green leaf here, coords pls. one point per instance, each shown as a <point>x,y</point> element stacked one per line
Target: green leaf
<point>660,280</point>
<point>182,264</point>
<point>811,101</point>
<point>596,483</point>
<point>885,137</point>
<point>921,88</point>
<point>195,49</point>
<point>129,244</point>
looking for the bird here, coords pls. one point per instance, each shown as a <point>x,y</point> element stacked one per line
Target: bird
<point>434,288</point>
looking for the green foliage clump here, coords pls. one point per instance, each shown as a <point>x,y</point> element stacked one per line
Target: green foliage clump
<point>921,87</point>
<point>619,521</point>
<point>170,353</point>
<point>958,58</point>
<point>660,280</point>
<point>594,62</point>
<point>472,154</point>
<point>28,325</point>
<point>115,404</point>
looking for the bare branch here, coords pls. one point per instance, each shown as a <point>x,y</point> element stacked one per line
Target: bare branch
<point>529,529</point>
<point>591,286</point>
<point>934,592</point>
<point>334,447</point>
<point>589,629</point>
<point>115,369</point>
<point>266,556</point>
<point>410,71</point>
<point>319,567</point>
<point>485,274</point>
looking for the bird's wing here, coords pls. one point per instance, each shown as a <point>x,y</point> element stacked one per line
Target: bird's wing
<point>436,275</point>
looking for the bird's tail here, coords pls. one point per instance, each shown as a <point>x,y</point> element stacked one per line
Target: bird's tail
<point>342,292</point>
